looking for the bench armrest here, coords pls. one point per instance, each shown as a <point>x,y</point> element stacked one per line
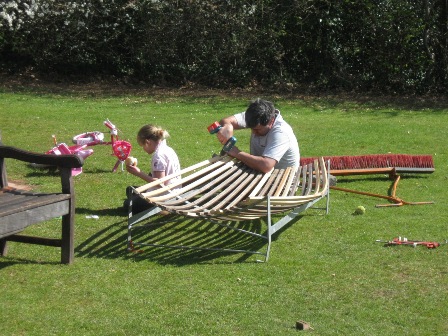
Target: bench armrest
<point>63,161</point>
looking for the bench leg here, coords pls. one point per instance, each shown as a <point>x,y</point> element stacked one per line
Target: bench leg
<point>68,220</point>
<point>68,241</point>
<point>3,247</point>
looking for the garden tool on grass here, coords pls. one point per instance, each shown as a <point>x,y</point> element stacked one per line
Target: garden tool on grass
<point>414,243</point>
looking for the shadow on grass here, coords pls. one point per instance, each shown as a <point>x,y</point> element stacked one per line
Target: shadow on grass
<point>177,232</point>
<point>11,261</point>
<point>120,212</point>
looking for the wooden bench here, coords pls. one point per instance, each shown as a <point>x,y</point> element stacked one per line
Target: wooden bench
<point>20,208</point>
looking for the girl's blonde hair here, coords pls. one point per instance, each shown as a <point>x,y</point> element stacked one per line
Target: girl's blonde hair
<point>151,132</point>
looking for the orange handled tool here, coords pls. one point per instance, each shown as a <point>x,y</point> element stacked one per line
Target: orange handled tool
<point>213,129</point>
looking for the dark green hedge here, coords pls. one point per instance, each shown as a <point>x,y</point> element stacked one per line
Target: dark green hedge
<point>390,46</point>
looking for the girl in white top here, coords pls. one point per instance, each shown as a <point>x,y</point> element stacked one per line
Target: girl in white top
<point>164,162</point>
<point>164,159</point>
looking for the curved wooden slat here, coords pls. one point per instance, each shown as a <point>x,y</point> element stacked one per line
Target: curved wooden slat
<point>211,197</point>
<point>169,191</point>
<point>226,188</point>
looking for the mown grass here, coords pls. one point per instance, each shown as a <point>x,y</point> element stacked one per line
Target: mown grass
<point>324,269</point>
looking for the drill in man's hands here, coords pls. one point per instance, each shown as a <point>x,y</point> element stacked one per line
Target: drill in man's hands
<point>213,129</point>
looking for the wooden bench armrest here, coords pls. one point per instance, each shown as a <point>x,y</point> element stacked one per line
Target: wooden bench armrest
<point>63,161</point>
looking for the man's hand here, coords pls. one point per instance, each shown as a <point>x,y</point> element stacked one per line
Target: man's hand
<point>225,133</point>
<point>234,151</point>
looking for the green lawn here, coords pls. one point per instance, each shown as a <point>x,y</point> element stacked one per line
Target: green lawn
<point>324,269</point>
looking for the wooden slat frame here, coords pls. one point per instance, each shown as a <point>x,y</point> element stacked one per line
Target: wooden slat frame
<point>226,190</point>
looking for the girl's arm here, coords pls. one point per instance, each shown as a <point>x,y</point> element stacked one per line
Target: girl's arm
<point>148,178</point>
<point>137,172</point>
<point>158,175</point>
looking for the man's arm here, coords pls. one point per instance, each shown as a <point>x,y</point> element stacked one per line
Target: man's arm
<point>261,163</point>
<point>229,124</point>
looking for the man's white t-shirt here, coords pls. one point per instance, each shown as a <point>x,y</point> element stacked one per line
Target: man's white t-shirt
<point>279,143</point>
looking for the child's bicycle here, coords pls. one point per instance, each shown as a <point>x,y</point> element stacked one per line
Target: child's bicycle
<point>120,148</point>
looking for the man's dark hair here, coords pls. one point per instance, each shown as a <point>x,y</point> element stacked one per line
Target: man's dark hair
<point>259,112</point>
